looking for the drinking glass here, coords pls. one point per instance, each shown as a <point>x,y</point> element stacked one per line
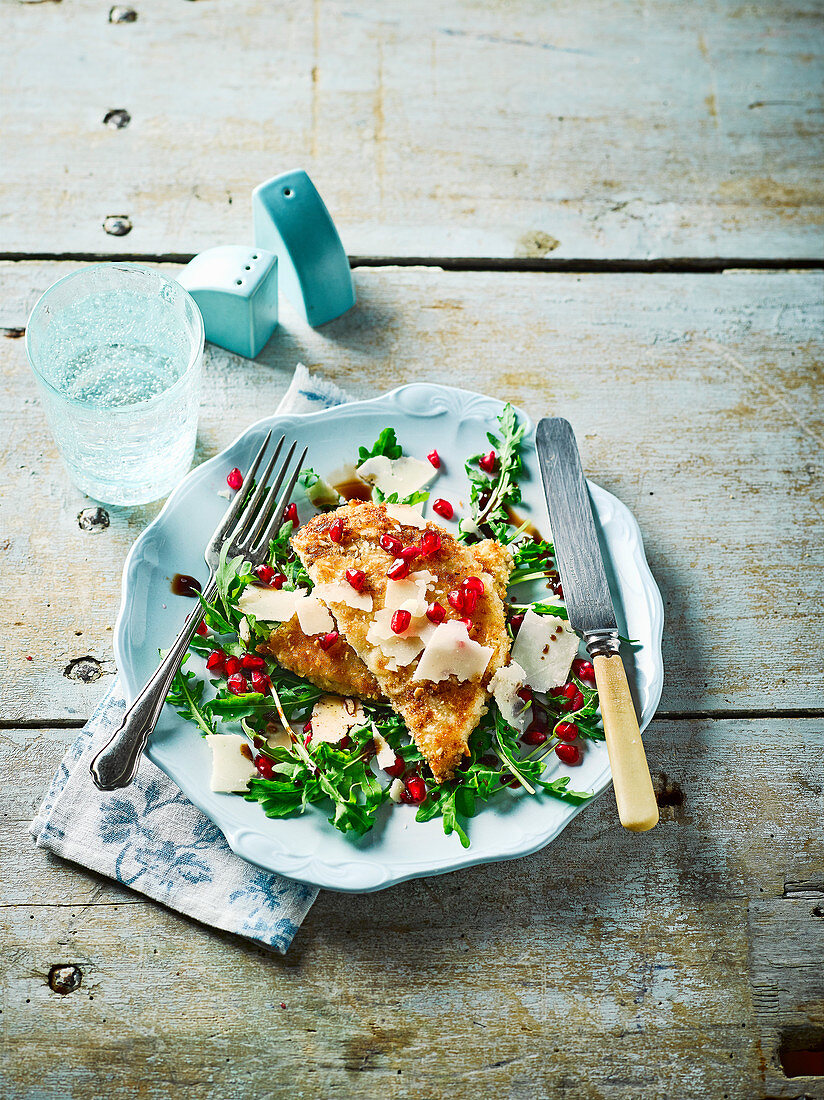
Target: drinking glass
<point>117,351</point>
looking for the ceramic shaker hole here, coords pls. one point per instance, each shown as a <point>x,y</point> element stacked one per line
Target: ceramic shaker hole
<point>288,192</point>
<point>239,282</point>
<point>247,268</point>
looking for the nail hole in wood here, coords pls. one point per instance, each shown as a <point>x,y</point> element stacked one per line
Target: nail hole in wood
<point>14,333</point>
<point>117,225</point>
<point>120,14</point>
<point>86,669</point>
<point>65,979</point>
<point>801,1052</point>
<point>117,119</point>
<point>93,519</point>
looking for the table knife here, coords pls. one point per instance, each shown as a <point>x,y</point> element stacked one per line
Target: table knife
<point>591,613</point>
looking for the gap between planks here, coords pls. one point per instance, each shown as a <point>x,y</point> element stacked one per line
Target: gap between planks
<point>685,265</point>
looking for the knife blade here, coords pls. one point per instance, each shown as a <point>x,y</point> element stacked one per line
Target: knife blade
<point>592,613</point>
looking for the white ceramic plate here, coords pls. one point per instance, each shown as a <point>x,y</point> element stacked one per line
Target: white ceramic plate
<point>398,848</point>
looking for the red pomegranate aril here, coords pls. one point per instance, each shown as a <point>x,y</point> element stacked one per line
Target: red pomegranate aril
<point>398,570</point>
<point>516,622</point>
<point>488,462</point>
<point>328,640</point>
<point>400,621</point>
<point>436,613</point>
<point>232,665</point>
<point>251,661</point>
<point>469,600</point>
<point>409,553</point>
<point>558,589</point>
<point>570,754</point>
<point>467,623</point>
<point>291,513</point>
<point>443,508</point>
<point>265,767</point>
<point>435,459</point>
<point>260,682</point>
<point>201,628</point>
<point>390,544</point>
<point>533,736</point>
<point>574,702</point>
<point>234,479</point>
<point>414,791</point>
<point>307,741</point>
<point>455,598</point>
<point>265,573</point>
<point>569,690</point>
<point>356,578</point>
<point>336,530</point>
<point>583,670</point>
<point>474,584</point>
<point>431,543</point>
<point>216,660</point>
<point>567,731</point>
<point>397,769</point>
<point>525,693</point>
<point>278,581</point>
<point>237,684</point>
<point>345,742</point>
<point>307,726</point>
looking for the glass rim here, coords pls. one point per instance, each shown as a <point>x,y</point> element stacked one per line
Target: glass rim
<point>199,340</point>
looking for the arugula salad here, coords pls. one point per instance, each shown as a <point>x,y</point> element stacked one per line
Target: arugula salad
<point>241,689</point>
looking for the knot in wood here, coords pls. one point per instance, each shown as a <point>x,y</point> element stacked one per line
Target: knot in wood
<point>85,669</point>
<point>65,979</point>
<point>119,14</point>
<point>117,225</point>
<point>117,119</point>
<point>93,519</point>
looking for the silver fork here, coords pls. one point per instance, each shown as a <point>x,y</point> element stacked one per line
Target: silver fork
<point>250,522</point>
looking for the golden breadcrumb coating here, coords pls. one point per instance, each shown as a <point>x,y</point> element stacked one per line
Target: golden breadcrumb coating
<point>338,669</point>
<point>440,716</point>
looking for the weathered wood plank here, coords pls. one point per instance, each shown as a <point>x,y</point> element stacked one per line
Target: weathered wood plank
<point>709,428</point>
<point>608,965</point>
<point>585,130</point>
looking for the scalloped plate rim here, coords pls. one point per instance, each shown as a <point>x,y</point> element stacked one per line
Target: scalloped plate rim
<point>242,838</point>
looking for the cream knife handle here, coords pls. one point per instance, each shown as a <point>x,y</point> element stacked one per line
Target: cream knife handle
<point>637,807</point>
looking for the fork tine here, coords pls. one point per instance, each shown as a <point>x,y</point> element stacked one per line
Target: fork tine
<point>275,521</point>
<point>232,512</point>
<point>250,512</point>
<point>263,515</point>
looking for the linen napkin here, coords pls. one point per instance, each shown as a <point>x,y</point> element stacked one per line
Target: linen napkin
<point>149,836</point>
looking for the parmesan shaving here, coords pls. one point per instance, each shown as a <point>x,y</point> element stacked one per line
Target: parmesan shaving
<point>385,754</point>
<point>343,592</point>
<point>451,652</point>
<point>269,604</point>
<point>544,648</point>
<point>505,685</point>
<point>333,718</point>
<point>231,768</point>
<point>407,515</point>
<point>313,617</point>
<point>403,476</point>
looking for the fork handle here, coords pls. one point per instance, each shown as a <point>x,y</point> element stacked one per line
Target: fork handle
<point>117,762</point>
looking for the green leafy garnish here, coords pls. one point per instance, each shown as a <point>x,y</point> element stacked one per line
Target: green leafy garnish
<point>491,494</point>
<point>386,444</point>
<point>186,696</point>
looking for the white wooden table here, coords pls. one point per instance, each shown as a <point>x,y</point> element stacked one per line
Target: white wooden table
<point>609,211</point>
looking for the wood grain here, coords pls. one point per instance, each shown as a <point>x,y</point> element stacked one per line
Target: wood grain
<point>609,965</point>
<point>582,130</point>
<point>710,431</point>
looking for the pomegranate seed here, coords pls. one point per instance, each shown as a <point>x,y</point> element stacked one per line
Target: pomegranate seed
<point>455,598</point>
<point>356,578</point>
<point>525,693</point>
<point>216,660</point>
<point>237,684</point>
<point>232,665</point>
<point>398,570</point>
<point>345,742</point>
<point>567,731</point>
<point>328,640</point>
<point>443,508</point>
<point>573,701</point>
<point>265,573</point>
<point>570,754</point>
<point>278,581</point>
<point>307,741</point>
<point>409,553</point>
<point>250,661</point>
<point>474,584</point>
<point>468,624</point>
<point>414,791</point>
<point>569,690</point>
<point>397,769</point>
<point>390,544</point>
<point>291,513</point>
<point>260,682</point>
<point>436,613</point>
<point>234,479</point>
<point>265,767</point>
<point>558,589</point>
<point>307,726</point>
<point>431,542</point>
<point>201,628</point>
<point>435,459</point>
<point>583,670</point>
<point>469,600</point>
<point>515,622</point>
<point>336,530</point>
<point>400,621</point>
<point>533,736</point>
<point>488,462</point>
